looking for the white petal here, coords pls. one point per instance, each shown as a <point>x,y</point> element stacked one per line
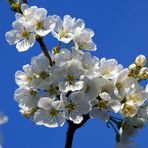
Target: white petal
<point>11,37</point>
<point>64,86</point>
<point>42,117</point>
<point>45,103</point>
<point>24,7</point>
<point>77,86</point>
<point>83,106</point>
<point>105,96</point>
<point>94,113</point>
<point>61,119</point>
<point>115,106</point>
<point>58,105</point>
<point>18,16</point>
<point>40,14</point>
<point>58,21</point>
<point>42,32</point>
<point>31,39</point>
<point>49,24</point>
<point>76,119</point>
<point>23,45</point>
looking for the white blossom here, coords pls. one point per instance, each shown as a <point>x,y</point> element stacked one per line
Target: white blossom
<point>69,76</point>
<point>22,35</point>
<point>75,106</point>
<point>109,68</point>
<point>24,78</point>
<point>36,17</point>
<point>64,29</point>
<point>49,113</point>
<point>83,39</point>
<point>102,105</point>
<point>27,98</point>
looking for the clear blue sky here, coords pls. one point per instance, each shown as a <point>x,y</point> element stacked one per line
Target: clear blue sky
<point>121,32</point>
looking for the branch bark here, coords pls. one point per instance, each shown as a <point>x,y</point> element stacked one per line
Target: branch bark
<point>72,129</point>
<point>25,1</point>
<point>44,49</point>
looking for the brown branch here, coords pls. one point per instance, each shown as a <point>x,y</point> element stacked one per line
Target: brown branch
<point>44,49</point>
<point>25,1</point>
<point>71,131</point>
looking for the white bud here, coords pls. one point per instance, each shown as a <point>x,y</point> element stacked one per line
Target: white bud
<point>143,74</point>
<point>132,68</point>
<point>141,61</point>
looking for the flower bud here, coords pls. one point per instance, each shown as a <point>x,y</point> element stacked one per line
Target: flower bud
<point>143,74</point>
<point>132,70</point>
<point>56,49</point>
<point>140,61</point>
<point>16,6</point>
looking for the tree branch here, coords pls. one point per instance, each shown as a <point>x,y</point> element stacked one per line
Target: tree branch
<point>71,131</point>
<point>25,1</point>
<point>39,40</point>
<point>44,49</point>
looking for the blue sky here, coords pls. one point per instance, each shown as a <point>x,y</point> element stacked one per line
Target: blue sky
<point>121,32</point>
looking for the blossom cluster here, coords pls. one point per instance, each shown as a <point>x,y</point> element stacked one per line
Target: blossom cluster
<point>33,22</point>
<point>77,84</point>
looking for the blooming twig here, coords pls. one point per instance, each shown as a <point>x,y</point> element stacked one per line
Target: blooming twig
<point>79,86</point>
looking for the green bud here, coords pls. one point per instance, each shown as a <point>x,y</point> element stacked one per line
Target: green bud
<point>15,6</point>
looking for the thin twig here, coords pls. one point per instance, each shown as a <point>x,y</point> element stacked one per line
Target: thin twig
<point>109,122</point>
<point>68,44</point>
<point>112,117</point>
<point>44,49</point>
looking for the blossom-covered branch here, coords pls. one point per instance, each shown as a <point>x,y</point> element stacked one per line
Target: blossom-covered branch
<point>72,85</point>
<point>26,32</point>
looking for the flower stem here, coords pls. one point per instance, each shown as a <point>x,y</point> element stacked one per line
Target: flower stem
<point>68,44</point>
<point>112,117</point>
<point>44,49</point>
<point>72,127</point>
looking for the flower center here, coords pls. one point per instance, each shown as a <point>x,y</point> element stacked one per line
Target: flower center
<point>87,88</point>
<point>107,71</point>
<point>52,90</point>
<point>70,78</point>
<point>53,113</point>
<point>32,92</point>
<point>39,26</point>
<point>62,33</point>
<point>102,105</point>
<point>81,45</point>
<point>135,98</point>
<point>43,74</point>
<point>70,107</point>
<point>128,110</point>
<point>25,34</point>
